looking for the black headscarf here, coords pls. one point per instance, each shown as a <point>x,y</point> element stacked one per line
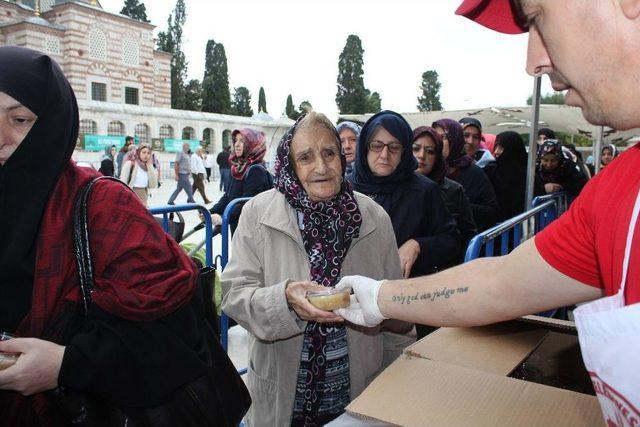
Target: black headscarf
<point>439,169</point>
<point>28,177</point>
<point>384,188</point>
<point>511,171</point>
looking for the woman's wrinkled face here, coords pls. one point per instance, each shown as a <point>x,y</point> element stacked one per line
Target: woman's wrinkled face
<point>607,156</point>
<point>549,162</point>
<point>445,141</point>
<point>349,140</point>
<point>424,150</point>
<point>384,154</point>
<point>16,121</point>
<point>238,145</point>
<point>145,155</point>
<point>316,161</point>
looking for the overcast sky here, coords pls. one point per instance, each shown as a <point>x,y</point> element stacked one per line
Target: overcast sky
<point>292,47</point>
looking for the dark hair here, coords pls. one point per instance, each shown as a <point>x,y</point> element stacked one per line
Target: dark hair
<point>550,134</point>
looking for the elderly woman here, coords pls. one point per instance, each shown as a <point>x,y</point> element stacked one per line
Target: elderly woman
<point>556,172</point>
<point>249,175</point>
<point>349,133</point>
<point>305,364</point>
<point>140,343</point>
<point>460,168</point>
<point>425,232</point>
<point>427,148</point>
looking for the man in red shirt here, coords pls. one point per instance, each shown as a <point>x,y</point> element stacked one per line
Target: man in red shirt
<point>581,256</point>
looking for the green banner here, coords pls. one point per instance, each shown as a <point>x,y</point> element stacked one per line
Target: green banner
<point>175,145</point>
<point>100,142</point>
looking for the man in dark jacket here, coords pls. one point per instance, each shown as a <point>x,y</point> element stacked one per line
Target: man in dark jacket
<point>225,168</point>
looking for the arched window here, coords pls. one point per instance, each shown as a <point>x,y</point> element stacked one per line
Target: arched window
<point>130,51</point>
<point>208,136</point>
<point>142,132</point>
<point>226,138</point>
<point>88,127</point>
<point>166,132</point>
<point>116,128</point>
<point>97,44</point>
<point>188,133</point>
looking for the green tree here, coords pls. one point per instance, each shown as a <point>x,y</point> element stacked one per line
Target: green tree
<point>193,95</point>
<point>556,98</point>
<point>171,41</point>
<point>135,10</point>
<point>290,110</point>
<point>374,103</point>
<point>430,99</point>
<point>351,97</point>
<point>262,101</point>
<point>216,97</point>
<point>241,104</point>
<point>305,107</point>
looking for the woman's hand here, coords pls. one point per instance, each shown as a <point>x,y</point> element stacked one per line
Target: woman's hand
<point>37,368</point>
<point>296,293</point>
<point>216,219</point>
<point>408,252</point>
<point>552,187</point>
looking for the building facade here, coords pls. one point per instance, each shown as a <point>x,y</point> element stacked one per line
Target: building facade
<point>122,83</point>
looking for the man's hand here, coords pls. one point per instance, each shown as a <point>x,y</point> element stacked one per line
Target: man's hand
<point>177,178</point>
<point>37,368</point>
<point>364,308</point>
<point>408,252</point>
<point>296,294</point>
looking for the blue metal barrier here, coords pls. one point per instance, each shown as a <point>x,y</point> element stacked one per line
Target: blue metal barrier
<point>559,197</point>
<point>166,210</point>
<point>511,233</point>
<point>224,259</point>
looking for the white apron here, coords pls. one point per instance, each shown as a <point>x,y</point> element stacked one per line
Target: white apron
<point>609,334</point>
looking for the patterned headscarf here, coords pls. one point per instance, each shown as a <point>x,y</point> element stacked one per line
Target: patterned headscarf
<point>254,151</point>
<point>135,155</point>
<point>327,229</point>
<point>551,146</point>
<point>356,129</point>
<point>458,158</point>
<point>439,169</point>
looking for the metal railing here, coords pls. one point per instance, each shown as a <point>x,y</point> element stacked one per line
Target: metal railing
<point>559,197</point>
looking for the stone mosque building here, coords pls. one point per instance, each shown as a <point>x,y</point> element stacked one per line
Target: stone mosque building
<point>121,81</point>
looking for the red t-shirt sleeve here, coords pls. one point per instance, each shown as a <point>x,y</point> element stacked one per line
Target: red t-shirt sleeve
<point>568,244</point>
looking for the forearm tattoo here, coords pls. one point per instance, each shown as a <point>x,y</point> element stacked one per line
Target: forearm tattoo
<point>427,297</point>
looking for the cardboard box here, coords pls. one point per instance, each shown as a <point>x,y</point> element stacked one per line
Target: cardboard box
<point>460,377</point>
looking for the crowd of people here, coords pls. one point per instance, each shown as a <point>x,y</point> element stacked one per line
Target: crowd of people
<point>381,209</point>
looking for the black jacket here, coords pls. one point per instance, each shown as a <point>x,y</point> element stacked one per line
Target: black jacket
<point>223,159</point>
<point>458,205</point>
<point>419,213</point>
<point>256,180</point>
<point>481,194</point>
<point>571,179</point>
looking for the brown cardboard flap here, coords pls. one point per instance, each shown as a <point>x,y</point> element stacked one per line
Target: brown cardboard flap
<point>420,392</point>
<point>496,348</point>
<point>557,325</point>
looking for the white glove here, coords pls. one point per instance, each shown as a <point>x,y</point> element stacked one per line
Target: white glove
<point>364,308</point>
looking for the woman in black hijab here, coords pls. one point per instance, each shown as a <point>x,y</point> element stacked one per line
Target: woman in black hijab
<point>141,341</point>
<point>511,173</point>
<point>426,233</point>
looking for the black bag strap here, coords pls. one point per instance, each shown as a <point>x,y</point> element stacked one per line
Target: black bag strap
<point>81,239</point>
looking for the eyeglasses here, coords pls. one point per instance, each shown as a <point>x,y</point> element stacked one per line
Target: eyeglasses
<point>427,150</point>
<point>378,146</point>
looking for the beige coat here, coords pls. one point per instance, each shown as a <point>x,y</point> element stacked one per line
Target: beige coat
<point>267,253</point>
<point>128,176</point>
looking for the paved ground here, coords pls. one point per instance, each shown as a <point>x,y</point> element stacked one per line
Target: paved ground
<point>238,337</point>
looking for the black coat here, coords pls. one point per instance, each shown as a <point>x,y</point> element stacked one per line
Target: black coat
<point>571,179</point>
<point>418,212</point>
<point>458,205</point>
<point>223,159</point>
<point>256,180</point>
<point>481,194</point>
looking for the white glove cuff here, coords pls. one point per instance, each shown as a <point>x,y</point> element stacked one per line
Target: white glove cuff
<point>376,307</point>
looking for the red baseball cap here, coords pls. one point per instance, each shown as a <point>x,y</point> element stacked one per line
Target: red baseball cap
<point>499,15</point>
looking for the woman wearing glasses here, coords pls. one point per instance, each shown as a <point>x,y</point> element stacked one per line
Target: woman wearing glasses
<point>426,233</point>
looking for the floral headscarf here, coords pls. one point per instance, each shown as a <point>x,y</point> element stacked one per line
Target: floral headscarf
<point>254,151</point>
<point>550,146</point>
<point>327,229</point>
<point>135,155</point>
<point>458,158</point>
